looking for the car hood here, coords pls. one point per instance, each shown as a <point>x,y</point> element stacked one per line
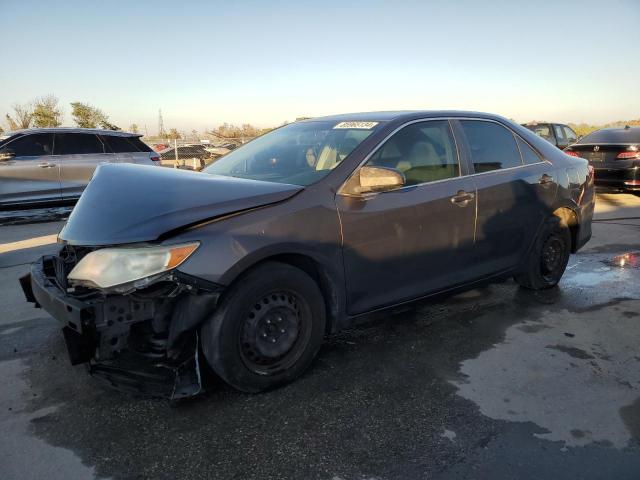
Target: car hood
<point>133,203</point>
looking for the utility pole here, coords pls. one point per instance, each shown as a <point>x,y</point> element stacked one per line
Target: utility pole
<point>161,132</point>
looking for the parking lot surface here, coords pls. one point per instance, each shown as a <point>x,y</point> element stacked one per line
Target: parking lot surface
<point>494,383</point>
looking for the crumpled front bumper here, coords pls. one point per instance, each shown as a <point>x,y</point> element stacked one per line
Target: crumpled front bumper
<point>145,344</point>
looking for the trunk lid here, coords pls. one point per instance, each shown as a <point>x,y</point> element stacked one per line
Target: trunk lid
<point>129,203</point>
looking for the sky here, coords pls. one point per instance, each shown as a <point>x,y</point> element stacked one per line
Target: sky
<point>266,62</point>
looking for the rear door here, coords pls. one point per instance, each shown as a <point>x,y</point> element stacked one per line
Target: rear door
<point>78,155</point>
<point>128,149</point>
<point>28,172</point>
<point>403,244</point>
<point>513,197</point>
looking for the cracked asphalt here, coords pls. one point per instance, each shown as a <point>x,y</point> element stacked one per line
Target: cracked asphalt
<point>495,383</point>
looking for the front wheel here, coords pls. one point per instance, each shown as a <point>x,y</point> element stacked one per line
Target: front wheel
<point>548,257</point>
<point>267,329</point>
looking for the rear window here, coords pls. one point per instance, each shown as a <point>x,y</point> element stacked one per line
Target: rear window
<point>618,135</point>
<point>542,130</point>
<point>118,144</point>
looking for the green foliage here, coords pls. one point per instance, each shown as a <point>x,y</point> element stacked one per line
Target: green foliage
<point>583,129</point>
<point>85,115</point>
<point>46,112</point>
<point>133,128</point>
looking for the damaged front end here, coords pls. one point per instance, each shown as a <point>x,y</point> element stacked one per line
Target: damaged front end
<point>142,338</point>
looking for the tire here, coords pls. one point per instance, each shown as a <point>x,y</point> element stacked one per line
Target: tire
<point>548,258</point>
<point>267,329</point>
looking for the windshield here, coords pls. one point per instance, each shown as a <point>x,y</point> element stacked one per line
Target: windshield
<point>298,154</point>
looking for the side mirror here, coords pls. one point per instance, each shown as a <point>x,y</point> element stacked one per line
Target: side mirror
<point>7,155</point>
<point>373,179</point>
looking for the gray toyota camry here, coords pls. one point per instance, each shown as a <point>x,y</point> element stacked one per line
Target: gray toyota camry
<point>300,233</point>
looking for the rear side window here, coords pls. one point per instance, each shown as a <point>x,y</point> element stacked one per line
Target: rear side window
<point>559,133</point>
<point>77,144</point>
<point>492,146</point>
<point>529,155</point>
<point>424,152</point>
<point>543,131</point>
<point>33,145</point>
<point>118,144</point>
<point>570,134</point>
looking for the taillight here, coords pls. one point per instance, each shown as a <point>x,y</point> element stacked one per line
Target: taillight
<point>571,154</point>
<point>628,156</point>
<point>592,172</point>
<point>155,158</point>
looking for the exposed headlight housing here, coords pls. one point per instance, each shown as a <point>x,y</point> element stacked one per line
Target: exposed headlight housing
<point>113,267</point>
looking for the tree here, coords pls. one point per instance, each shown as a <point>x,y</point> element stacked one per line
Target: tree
<point>46,112</point>
<point>85,115</point>
<point>133,128</point>
<point>173,134</point>
<point>104,123</point>
<point>12,123</point>
<point>22,116</point>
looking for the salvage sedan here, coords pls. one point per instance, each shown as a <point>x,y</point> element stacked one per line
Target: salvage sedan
<point>300,233</point>
<point>614,154</point>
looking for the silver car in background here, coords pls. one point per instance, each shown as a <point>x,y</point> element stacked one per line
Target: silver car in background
<point>43,165</point>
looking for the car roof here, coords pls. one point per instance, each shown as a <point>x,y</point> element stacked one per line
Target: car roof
<point>95,131</point>
<point>406,115</point>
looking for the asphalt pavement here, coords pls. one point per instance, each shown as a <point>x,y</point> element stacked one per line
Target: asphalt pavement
<point>496,383</point>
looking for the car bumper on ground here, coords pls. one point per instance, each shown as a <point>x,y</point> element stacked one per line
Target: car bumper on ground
<point>142,343</point>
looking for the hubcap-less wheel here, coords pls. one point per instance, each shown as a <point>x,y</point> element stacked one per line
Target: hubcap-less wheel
<point>552,256</point>
<point>275,332</point>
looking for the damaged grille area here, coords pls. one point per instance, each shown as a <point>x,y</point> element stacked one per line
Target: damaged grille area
<point>135,341</point>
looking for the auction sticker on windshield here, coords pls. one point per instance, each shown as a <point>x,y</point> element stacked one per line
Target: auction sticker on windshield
<point>363,125</point>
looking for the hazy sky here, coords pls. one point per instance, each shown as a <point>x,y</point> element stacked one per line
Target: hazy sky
<point>264,62</point>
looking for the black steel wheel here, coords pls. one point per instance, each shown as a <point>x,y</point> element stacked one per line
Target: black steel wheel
<point>267,329</point>
<point>548,257</point>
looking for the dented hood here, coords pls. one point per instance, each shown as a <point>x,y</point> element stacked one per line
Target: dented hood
<point>133,203</point>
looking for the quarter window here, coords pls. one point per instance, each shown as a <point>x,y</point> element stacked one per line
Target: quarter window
<point>77,144</point>
<point>118,144</point>
<point>424,152</point>
<point>33,145</point>
<point>529,155</point>
<point>492,146</point>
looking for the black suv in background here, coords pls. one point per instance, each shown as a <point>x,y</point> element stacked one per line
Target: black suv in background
<point>42,165</point>
<point>558,134</point>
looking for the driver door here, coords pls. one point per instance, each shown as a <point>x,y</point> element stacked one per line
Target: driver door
<point>405,243</point>
<point>28,172</point>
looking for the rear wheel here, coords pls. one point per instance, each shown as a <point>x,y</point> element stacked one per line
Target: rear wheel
<point>267,329</point>
<point>548,257</point>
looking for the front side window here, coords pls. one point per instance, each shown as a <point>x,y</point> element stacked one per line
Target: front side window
<point>33,145</point>
<point>492,146</point>
<point>424,152</point>
<point>77,144</point>
<point>299,153</point>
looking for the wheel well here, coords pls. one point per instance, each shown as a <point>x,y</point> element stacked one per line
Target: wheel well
<point>319,274</point>
<point>570,218</point>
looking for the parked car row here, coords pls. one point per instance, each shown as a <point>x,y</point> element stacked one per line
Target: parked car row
<point>303,231</point>
<point>44,165</point>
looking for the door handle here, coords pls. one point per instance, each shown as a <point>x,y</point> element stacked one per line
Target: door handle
<point>462,198</point>
<point>545,179</point>
<point>46,165</point>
